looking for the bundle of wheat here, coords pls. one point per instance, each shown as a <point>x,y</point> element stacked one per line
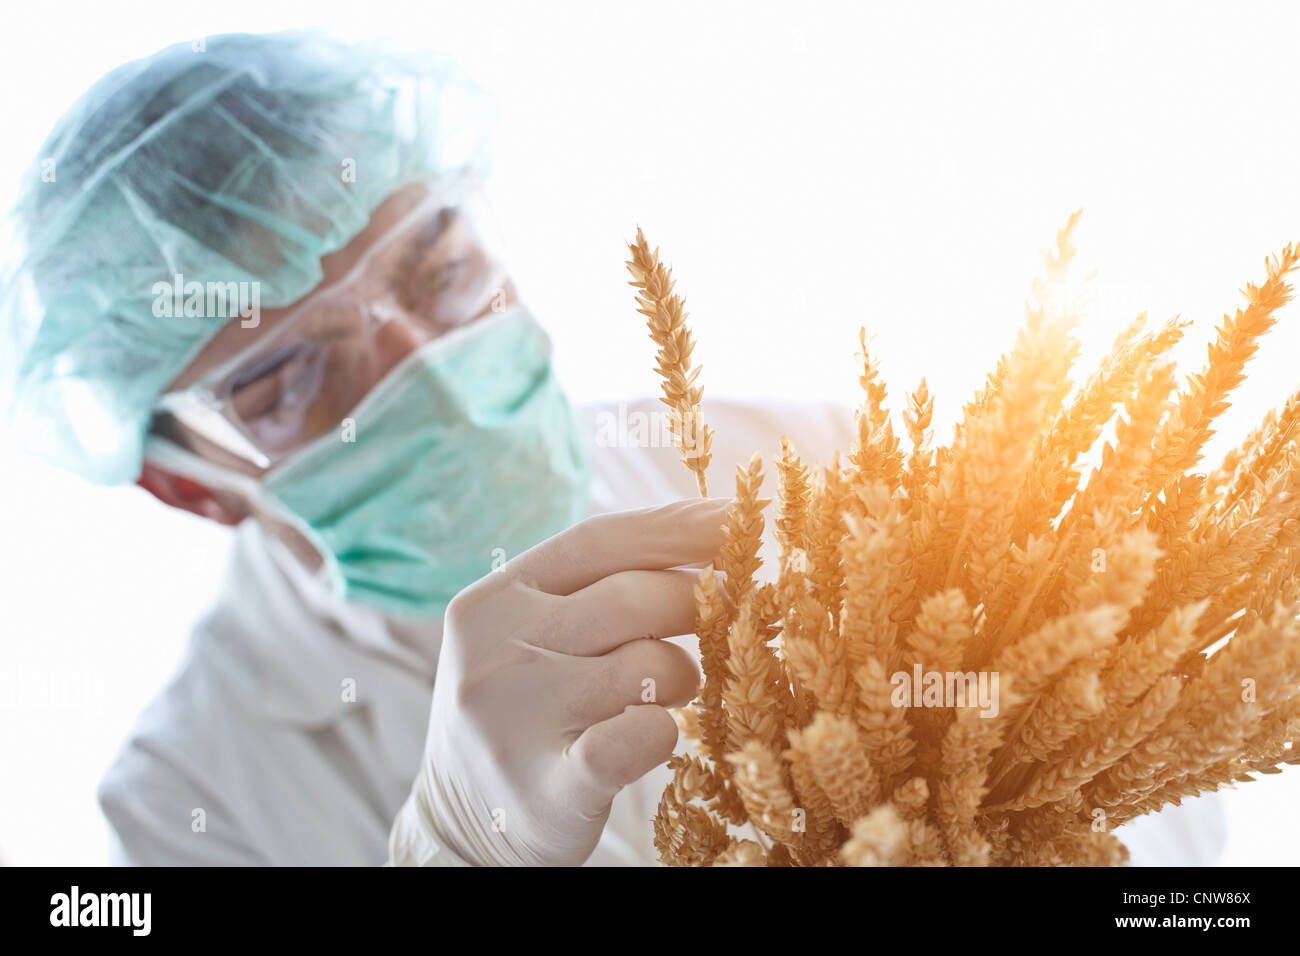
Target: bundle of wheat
<point>970,655</point>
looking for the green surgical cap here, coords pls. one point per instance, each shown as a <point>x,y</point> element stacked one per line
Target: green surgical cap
<point>244,158</point>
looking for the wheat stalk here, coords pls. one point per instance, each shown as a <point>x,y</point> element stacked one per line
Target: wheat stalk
<point>1141,623</point>
<point>666,320</point>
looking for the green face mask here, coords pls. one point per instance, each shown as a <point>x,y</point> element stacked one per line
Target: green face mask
<point>465,455</point>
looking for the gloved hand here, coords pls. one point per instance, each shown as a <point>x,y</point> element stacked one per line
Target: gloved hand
<point>541,709</point>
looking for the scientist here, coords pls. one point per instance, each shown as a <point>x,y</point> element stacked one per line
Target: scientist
<point>255,278</point>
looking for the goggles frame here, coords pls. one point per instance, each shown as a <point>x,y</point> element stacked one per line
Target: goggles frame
<point>200,407</point>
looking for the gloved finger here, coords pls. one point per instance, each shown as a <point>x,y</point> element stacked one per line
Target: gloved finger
<point>618,751</point>
<point>620,608</point>
<point>668,536</point>
<point>639,672</point>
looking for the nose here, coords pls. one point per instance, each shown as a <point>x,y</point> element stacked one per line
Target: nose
<point>395,339</point>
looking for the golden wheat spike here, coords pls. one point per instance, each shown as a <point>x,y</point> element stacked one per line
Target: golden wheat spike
<point>907,574</point>
<point>666,318</point>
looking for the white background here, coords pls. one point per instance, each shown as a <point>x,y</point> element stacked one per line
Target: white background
<point>806,168</point>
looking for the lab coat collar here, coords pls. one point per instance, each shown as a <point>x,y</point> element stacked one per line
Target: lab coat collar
<point>292,645</point>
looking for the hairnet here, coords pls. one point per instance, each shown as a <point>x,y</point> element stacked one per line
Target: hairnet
<point>242,159</point>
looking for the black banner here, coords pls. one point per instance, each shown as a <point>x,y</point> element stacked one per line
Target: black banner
<point>938,908</point>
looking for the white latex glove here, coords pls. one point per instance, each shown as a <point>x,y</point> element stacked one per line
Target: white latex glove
<point>539,712</point>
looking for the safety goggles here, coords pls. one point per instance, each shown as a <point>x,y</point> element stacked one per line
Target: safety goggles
<point>437,269</point>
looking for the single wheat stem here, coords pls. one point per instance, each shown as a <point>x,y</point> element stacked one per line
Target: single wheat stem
<point>666,318</point>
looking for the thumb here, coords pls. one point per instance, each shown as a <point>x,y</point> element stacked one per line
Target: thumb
<point>618,751</point>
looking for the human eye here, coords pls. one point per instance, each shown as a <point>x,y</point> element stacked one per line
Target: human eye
<point>278,383</point>
<point>446,282</point>
<point>441,276</point>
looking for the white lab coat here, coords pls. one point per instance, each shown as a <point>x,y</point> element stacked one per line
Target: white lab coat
<point>295,724</point>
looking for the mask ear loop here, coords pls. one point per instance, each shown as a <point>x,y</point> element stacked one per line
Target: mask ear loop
<point>179,460</point>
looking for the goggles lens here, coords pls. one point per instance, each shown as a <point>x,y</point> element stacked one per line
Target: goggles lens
<point>298,388</point>
<point>437,270</point>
